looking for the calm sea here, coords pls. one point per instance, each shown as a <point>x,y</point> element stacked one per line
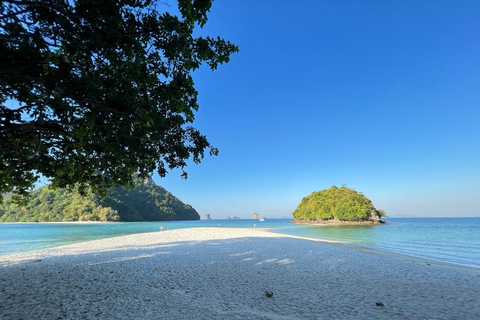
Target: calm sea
<point>455,240</point>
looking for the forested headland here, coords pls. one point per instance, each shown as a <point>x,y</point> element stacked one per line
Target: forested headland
<point>338,205</point>
<point>147,202</point>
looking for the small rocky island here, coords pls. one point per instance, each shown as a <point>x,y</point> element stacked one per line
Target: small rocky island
<point>338,206</point>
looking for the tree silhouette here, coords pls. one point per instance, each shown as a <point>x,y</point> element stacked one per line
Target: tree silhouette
<point>93,92</point>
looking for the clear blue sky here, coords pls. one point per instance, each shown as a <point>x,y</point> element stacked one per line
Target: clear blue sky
<point>382,96</point>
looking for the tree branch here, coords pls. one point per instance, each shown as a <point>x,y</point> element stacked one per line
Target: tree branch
<point>14,14</point>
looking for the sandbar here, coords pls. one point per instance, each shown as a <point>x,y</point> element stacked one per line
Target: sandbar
<point>216,273</point>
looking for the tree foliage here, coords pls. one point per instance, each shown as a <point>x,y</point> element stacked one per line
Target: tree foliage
<point>93,92</point>
<point>337,203</point>
<point>147,202</point>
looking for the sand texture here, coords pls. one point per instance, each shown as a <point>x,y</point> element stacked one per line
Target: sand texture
<point>215,273</point>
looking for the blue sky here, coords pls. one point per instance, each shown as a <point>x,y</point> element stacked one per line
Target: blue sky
<point>382,96</point>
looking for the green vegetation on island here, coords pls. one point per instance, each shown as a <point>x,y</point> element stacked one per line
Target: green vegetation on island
<point>338,204</point>
<point>147,202</point>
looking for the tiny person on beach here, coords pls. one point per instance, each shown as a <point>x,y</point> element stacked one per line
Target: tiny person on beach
<point>161,228</point>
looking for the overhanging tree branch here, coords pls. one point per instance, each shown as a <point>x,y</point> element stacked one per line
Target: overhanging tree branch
<point>88,90</point>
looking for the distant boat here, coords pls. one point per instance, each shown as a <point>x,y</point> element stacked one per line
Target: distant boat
<point>262,218</point>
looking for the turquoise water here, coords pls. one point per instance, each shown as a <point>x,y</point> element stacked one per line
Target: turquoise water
<point>455,240</point>
<point>24,237</point>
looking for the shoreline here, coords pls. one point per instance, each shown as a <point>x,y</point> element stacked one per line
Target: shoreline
<point>60,222</point>
<point>152,238</point>
<point>349,244</point>
<point>221,273</point>
<point>140,239</point>
<point>341,223</point>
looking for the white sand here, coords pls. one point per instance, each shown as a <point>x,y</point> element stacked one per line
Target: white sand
<point>224,273</point>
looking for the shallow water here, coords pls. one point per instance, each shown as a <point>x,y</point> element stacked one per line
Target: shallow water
<point>454,240</point>
<point>24,237</point>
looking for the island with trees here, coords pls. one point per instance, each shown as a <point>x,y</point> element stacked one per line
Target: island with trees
<point>146,202</point>
<point>342,206</point>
